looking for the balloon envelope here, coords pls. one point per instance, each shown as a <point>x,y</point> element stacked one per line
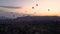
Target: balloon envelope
<point>32,7</point>
<point>48,9</point>
<point>36,4</point>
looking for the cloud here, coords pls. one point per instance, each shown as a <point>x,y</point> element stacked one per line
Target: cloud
<point>11,7</point>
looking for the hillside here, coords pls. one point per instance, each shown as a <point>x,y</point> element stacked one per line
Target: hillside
<point>31,25</point>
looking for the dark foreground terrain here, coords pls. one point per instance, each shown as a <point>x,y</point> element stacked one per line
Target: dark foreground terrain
<point>30,26</point>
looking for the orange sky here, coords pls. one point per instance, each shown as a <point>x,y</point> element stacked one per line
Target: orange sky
<point>41,9</point>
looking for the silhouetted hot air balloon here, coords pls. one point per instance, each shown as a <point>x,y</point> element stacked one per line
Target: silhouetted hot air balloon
<point>48,9</point>
<point>32,7</point>
<point>36,4</point>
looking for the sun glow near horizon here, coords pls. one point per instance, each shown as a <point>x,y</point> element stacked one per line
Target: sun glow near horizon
<point>40,10</point>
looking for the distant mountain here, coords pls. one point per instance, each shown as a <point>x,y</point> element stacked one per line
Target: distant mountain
<point>38,18</point>
<point>32,19</point>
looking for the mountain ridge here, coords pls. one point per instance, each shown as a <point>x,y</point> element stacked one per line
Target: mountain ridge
<point>39,18</point>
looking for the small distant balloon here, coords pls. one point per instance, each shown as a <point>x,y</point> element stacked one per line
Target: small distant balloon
<point>32,7</point>
<point>48,9</point>
<point>36,4</point>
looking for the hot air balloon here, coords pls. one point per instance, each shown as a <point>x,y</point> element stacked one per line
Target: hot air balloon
<point>36,4</point>
<point>32,7</point>
<point>48,9</point>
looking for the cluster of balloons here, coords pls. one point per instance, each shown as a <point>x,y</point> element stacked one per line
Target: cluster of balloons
<point>32,8</point>
<point>36,5</point>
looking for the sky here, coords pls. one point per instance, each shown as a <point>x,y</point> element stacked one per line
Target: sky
<point>25,7</point>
